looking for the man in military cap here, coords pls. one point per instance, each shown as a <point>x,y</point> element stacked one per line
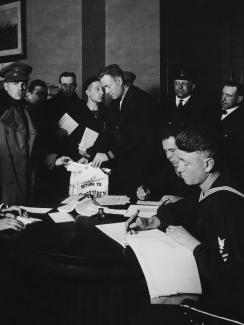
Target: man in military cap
<point>186,107</point>
<point>17,135</point>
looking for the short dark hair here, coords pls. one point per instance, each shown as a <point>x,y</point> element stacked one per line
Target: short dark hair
<point>236,84</point>
<point>67,74</point>
<point>200,138</point>
<point>36,83</point>
<point>113,70</point>
<point>168,132</point>
<point>88,82</point>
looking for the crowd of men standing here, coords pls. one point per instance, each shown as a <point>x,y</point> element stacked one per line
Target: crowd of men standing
<point>34,146</point>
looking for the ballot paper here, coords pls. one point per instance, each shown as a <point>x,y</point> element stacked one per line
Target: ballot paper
<point>145,211</point>
<point>61,217</point>
<point>27,221</point>
<point>113,200</point>
<point>35,209</point>
<point>88,139</point>
<point>169,267</point>
<point>66,122</point>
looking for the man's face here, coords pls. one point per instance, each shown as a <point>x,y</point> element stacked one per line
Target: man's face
<point>229,97</point>
<point>192,166</point>
<point>38,95</point>
<point>183,88</point>
<point>67,86</point>
<point>112,86</point>
<point>16,89</point>
<point>95,92</point>
<point>170,150</point>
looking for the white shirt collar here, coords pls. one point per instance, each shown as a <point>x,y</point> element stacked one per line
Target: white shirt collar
<point>123,96</point>
<point>184,100</point>
<point>229,111</point>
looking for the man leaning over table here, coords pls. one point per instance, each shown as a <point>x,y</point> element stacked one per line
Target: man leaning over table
<point>211,226</point>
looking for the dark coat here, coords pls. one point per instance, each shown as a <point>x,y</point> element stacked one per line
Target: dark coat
<point>231,131</point>
<point>129,134</point>
<point>17,136</point>
<point>195,111</point>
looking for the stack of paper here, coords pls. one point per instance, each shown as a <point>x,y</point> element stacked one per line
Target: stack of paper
<point>145,211</point>
<point>113,200</point>
<point>61,217</point>
<point>27,221</point>
<point>169,268</point>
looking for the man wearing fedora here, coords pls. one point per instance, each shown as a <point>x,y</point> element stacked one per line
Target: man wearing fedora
<point>17,135</point>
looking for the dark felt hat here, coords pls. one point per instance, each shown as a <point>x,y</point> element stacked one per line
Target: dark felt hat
<point>16,71</point>
<point>183,74</point>
<point>129,76</point>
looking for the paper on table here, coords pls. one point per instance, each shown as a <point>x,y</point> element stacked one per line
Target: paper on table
<point>88,139</point>
<point>116,231</point>
<point>158,203</point>
<point>68,123</point>
<point>169,268</point>
<point>27,221</point>
<point>146,211</point>
<point>113,200</point>
<point>35,209</point>
<point>61,217</point>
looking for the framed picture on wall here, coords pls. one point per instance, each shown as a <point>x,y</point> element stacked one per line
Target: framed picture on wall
<point>12,30</point>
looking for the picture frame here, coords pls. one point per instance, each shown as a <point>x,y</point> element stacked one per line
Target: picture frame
<point>12,30</point>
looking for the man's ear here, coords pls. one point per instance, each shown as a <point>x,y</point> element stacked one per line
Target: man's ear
<point>209,163</point>
<point>193,85</point>
<point>87,92</point>
<point>59,86</point>
<point>239,99</point>
<point>5,86</point>
<point>120,81</point>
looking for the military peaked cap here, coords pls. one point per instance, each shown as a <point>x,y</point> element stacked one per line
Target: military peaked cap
<point>17,71</point>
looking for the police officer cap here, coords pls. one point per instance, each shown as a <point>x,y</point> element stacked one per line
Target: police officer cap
<point>183,74</point>
<point>16,71</point>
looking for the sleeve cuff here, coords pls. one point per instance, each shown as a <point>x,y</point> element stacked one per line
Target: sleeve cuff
<point>110,155</point>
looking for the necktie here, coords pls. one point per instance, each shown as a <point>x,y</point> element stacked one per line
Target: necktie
<point>180,105</point>
<point>224,111</point>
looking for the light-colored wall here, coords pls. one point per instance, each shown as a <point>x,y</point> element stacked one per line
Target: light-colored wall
<point>54,38</point>
<point>133,39</point>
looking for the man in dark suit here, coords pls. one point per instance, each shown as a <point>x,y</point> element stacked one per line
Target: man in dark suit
<point>186,107</point>
<point>127,143</point>
<point>231,117</point>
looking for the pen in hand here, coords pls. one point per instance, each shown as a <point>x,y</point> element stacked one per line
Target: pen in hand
<point>131,221</point>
